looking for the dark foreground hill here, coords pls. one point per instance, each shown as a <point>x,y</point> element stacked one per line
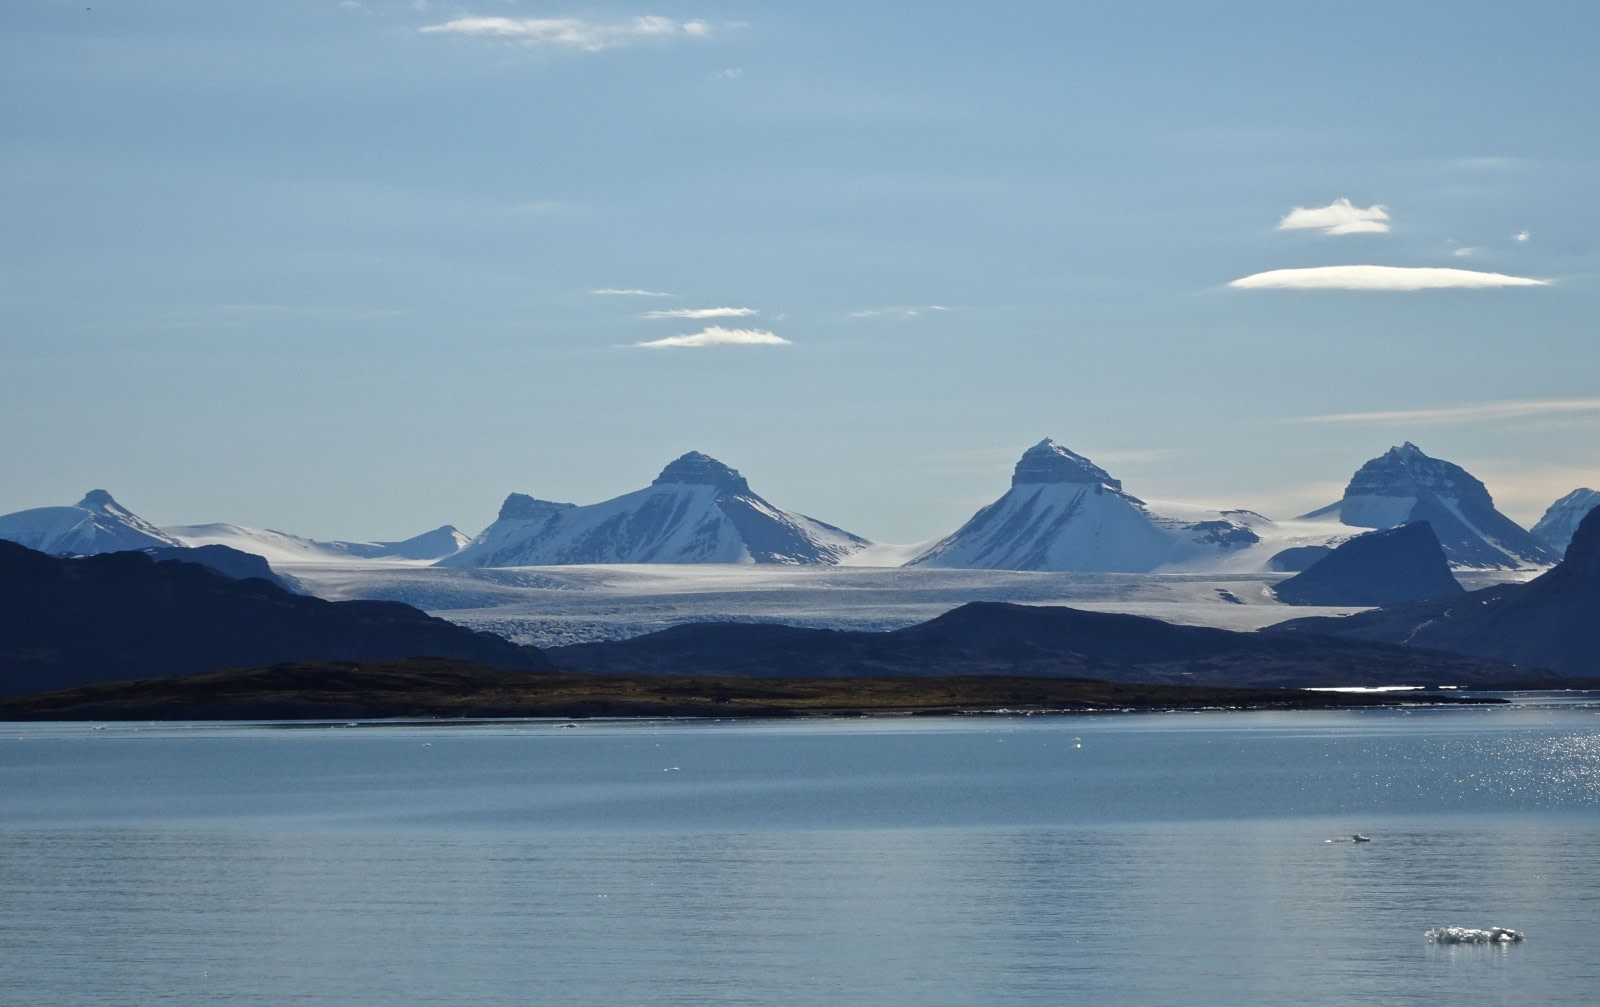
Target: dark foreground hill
<point>988,638</point>
<point>1551,622</point>
<point>438,688</point>
<point>70,622</point>
<point>1387,567</point>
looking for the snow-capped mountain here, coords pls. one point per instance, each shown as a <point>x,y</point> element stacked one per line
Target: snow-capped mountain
<point>1562,519</point>
<point>697,511</point>
<point>1063,512</point>
<point>95,524</point>
<point>281,547</point>
<point>1405,485</point>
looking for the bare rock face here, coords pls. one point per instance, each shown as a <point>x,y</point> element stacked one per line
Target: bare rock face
<point>1386,567</point>
<point>1404,485</point>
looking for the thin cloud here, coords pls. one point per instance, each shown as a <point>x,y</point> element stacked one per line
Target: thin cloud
<point>1338,217</point>
<point>716,335</point>
<point>629,292</point>
<point>896,312</point>
<point>1452,415</point>
<point>1379,278</point>
<point>698,313</point>
<point>571,32</point>
<point>1465,251</point>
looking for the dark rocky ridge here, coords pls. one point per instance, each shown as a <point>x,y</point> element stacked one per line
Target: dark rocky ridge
<point>234,563</point>
<point>1386,567</point>
<point>71,622</point>
<point>1551,622</point>
<point>990,638</point>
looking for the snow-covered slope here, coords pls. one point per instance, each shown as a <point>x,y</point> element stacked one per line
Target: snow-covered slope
<point>1405,485</point>
<point>1561,520</point>
<point>697,511</point>
<point>281,547</point>
<point>96,524</point>
<point>1063,512</point>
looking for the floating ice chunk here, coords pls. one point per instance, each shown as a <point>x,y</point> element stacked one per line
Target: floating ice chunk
<point>1472,935</point>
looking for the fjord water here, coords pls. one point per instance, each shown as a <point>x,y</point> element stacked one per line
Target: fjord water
<point>1122,859</point>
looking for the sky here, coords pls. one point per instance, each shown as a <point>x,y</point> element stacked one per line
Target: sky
<point>355,270</point>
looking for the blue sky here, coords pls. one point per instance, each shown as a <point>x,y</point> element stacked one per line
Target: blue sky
<point>359,269</point>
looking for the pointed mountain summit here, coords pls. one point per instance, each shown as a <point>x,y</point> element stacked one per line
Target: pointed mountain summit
<point>1385,567</point>
<point>698,510</point>
<point>1063,512</point>
<point>1559,523</point>
<point>96,524</point>
<point>1404,485</point>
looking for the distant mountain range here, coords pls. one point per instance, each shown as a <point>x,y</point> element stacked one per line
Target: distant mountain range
<point>1062,512</point>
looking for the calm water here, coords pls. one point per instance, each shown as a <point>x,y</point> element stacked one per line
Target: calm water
<point>1141,859</point>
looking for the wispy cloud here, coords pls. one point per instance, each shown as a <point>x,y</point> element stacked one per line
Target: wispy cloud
<point>571,32</point>
<point>1379,278</point>
<point>716,335</point>
<point>1474,413</point>
<point>1338,217</point>
<point>629,292</point>
<point>896,312</point>
<point>698,313</point>
<point>1466,251</point>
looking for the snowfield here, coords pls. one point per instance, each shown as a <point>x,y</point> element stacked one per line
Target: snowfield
<point>557,605</point>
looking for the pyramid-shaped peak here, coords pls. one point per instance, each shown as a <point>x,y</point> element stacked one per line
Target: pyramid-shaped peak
<point>696,469</point>
<point>1582,561</point>
<point>1049,462</point>
<point>101,501</point>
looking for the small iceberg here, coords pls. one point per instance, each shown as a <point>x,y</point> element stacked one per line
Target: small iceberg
<point>1472,935</point>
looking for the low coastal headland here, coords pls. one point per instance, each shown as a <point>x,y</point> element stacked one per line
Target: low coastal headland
<point>438,688</point>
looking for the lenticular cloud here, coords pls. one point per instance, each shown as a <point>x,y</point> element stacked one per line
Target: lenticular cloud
<point>716,335</point>
<point>1379,278</point>
<point>1338,217</point>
